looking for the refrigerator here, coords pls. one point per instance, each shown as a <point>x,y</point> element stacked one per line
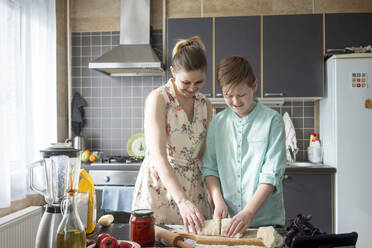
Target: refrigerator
<point>345,129</point>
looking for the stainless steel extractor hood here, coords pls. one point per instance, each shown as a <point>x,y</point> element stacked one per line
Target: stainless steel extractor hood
<point>134,56</point>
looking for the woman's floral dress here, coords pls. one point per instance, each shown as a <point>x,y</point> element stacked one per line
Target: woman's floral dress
<point>184,141</point>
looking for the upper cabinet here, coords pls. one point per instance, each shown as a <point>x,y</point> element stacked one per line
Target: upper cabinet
<point>184,28</point>
<point>285,51</point>
<point>293,56</point>
<point>238,36</point>
<point>348,30</point>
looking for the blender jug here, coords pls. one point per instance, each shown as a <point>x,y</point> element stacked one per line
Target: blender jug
<point>58,171</point>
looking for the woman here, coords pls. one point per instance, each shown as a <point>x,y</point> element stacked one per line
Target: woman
<point>176,120</point>
<point>245,159</point>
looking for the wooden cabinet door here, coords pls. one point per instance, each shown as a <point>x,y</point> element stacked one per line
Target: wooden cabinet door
<point>183,28</point>
<point>306,193</point>
<point>293,56</point>
<point>348,30</point>
<point>238,36</point>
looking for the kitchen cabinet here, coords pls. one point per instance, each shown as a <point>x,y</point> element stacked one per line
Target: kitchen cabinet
<point>293,56</point>
<point>310,193</point>
<point>183,28</point>
<point>239,36</point>
<point>347,30</point>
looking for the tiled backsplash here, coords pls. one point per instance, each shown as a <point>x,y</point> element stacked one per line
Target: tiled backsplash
<point>116,104</point>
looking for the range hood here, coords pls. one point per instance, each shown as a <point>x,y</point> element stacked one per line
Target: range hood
<point>134,56</point>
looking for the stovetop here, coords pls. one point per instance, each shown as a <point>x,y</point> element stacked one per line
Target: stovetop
<point>121,159</point>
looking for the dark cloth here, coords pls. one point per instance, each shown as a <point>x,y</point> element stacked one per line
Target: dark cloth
<point>77,113</point>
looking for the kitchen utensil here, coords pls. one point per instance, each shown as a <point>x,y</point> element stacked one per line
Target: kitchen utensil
<point>60,165</point>
<point>79,143</point>
<point>249,238</point>
<point>136,146</point>
<point>170,238</point>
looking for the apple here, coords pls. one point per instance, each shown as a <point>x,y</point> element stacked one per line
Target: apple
<point>92,158</point>
<point>96,154</point>
<point>85,157</point>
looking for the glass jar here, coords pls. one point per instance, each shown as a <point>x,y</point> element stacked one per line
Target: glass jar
<point>142,227</point>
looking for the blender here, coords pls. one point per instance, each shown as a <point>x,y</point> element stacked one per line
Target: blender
<point>59,171</point>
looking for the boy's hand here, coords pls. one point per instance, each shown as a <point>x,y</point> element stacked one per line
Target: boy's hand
<point>220,210</point>
<point>239,223</point>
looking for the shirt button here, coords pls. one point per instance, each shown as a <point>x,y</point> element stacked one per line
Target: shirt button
<point>239,206</point>
<point>239,131</point>
<point>238,175</point>
<point>238,146</point>
<point>238,161</point>
<point>238,191</point>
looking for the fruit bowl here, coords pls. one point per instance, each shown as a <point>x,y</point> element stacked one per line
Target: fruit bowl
<point>90,156</point>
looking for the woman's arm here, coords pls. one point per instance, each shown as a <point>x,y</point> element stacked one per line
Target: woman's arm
<point>244,218</point>
<point>156,141</point>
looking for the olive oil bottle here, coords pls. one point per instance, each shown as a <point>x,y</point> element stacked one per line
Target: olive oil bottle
<point>71,239</point>
<point>70,232</point>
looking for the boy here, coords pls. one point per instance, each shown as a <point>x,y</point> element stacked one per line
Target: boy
<point>244,162</point>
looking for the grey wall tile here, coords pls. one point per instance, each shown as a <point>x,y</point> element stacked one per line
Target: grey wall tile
<point>86,92</point>
<point>106,132</point>
<point>309,111</point>
<point>76,51</point>
<point>86,82</point>
<point>76,82</point>
<point>298,111</point>
<point>106,113</point>
<point>86,51</point>
<point>115,123</point>
<point>106,40</point>
<point>96,82</point>
<point>96,40</point>
<point>116,134</point>
<point>309,122</point>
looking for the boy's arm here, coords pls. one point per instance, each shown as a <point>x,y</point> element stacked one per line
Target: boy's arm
<point>244,218</point>
<point>213,186</point>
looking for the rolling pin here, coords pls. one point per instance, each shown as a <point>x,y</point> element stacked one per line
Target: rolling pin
<point>169,238</point>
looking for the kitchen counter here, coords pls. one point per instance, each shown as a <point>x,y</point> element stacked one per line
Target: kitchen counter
<point>134,167</point>
<point>317,168</point>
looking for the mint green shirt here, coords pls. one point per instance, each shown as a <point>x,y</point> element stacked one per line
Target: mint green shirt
<point>245,152</point>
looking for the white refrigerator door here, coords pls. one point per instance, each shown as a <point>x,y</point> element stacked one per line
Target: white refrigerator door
<point>352,141</point>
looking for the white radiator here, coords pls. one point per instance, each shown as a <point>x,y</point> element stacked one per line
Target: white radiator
<point>18,230</point>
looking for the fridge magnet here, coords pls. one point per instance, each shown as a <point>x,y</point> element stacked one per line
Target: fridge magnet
<point>359,80</point>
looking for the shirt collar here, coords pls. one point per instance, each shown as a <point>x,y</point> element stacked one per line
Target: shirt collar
<point>248,118</point>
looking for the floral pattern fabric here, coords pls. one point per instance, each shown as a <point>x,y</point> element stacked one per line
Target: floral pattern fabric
<point>184,141</point>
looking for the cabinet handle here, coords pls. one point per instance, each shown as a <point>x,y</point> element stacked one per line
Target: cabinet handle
<point>218,94</point>
<point>286,177</point>
<point>273,94</point>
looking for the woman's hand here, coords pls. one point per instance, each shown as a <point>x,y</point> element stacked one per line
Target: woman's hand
<point>239,223</point>
<point>191,216</point>
<point>220,209</point>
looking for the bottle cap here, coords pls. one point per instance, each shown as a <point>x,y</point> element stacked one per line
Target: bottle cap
<point>142,212</point>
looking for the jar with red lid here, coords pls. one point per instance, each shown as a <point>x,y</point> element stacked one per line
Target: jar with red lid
<point>142,227</point>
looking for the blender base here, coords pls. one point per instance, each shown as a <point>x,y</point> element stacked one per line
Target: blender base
<point>47,230</point>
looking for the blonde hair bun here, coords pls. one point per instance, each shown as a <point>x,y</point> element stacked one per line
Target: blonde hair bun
<point>192,42</point>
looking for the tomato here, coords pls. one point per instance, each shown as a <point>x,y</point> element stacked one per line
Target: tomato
<point>100,238</point>
<point>124,244</point>
<point>109,242</point>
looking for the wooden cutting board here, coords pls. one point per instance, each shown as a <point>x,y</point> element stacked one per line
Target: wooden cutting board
<point>249,238</point>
